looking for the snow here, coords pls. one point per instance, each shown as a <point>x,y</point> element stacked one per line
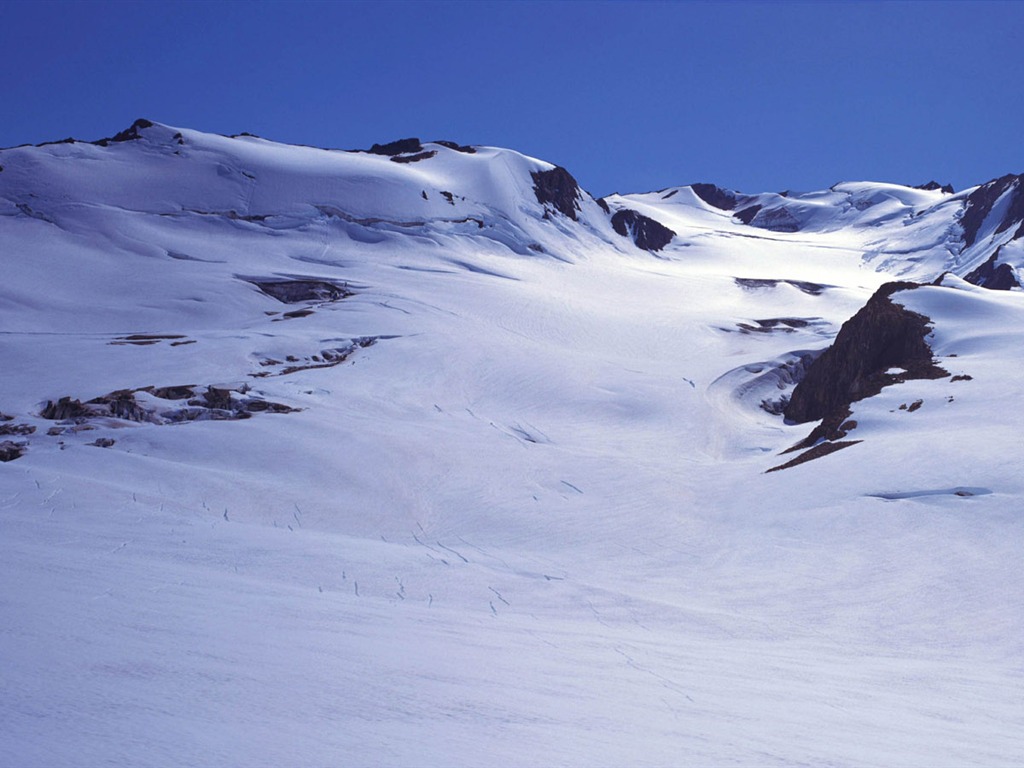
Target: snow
<point>531,525</point>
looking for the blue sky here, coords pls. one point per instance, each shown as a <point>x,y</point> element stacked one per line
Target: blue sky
<point>628,96</point>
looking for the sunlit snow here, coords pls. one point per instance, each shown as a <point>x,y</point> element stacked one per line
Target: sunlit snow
<point>530,523</point>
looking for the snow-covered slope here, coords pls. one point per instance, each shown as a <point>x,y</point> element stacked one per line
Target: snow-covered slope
<point>412,456</point>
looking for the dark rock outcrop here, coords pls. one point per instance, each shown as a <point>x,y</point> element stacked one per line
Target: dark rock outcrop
<point>747,214</point>
<point>774,220</point>
<point>214,397</point>
<point>296,291</point>
<point>215,403</point>
<point>980,202</point>
<point>65,408</point>
<point>400,147</point>
<point>178,392</point>
<point>753,283</point>
<point>133,132</point>
<point>457,147</point>
<point>993,275</point>
<point>715,196</point>
<point>822,449</point>
<point>881,336</point>
<point>558,189</point>
<point>119,405</point>
<point>647,233</point>
<point>772,324</point>
<point>413,158</point>
<point>21,430</point>
<point>933,185</point>
<point>9,450</point>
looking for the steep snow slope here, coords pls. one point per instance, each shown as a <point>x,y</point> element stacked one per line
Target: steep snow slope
<point>521,512</point>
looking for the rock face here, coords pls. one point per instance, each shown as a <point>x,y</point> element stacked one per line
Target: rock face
<point>645,232</point>
<point>558,189</point>
<point>214,403</point>
<point>933,185</point>
<point>130,134</point>
<point>717,197</point>
<point>981,201</point>
<point>400,147</point>
<point>9,450</point>
<point>747,214</point>
<point>296,291</point>
<point>771,219</point>
<point>881,336</point>
<point>469,150</point>
<point>993,275</point>
<point>413,158</point>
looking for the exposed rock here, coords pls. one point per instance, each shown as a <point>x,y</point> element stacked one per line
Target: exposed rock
<point>933,185</point>
<point>603,204</point>
<point>130,134</point>
<point>753,283</point>
<point>180,392</point>
<point>68,140</point>
<point>217,403</point>
<point>779,377</point>
<point>769,325</point>
<point>328,358</point>
<point>400,147</point>
<point>775,220</point>
<point>457,147</point>
<point>17,429</point>
<point>119,405</point>
<point>558,189</point>
<point>6,417</point>
<point>64,409</point>
<point>715,196</point>
<point>646,233</point>
<point>261,406</point>
<point>214,398</point>
<point>9,450</point>
<point>413,158</point>
<point>993,275</point>
<point>980,202</point>
<point>747,214</point>
<point>102,442</point>
<point>295,291</point>
<point>881,336</point>
<point>822,449</point>
<point>833,427</point>
<point>145,339</point>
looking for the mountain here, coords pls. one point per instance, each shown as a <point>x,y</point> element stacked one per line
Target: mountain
<point>421,454</point>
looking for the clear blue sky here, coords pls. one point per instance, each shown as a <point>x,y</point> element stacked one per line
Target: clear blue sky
<point>628,96</point>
